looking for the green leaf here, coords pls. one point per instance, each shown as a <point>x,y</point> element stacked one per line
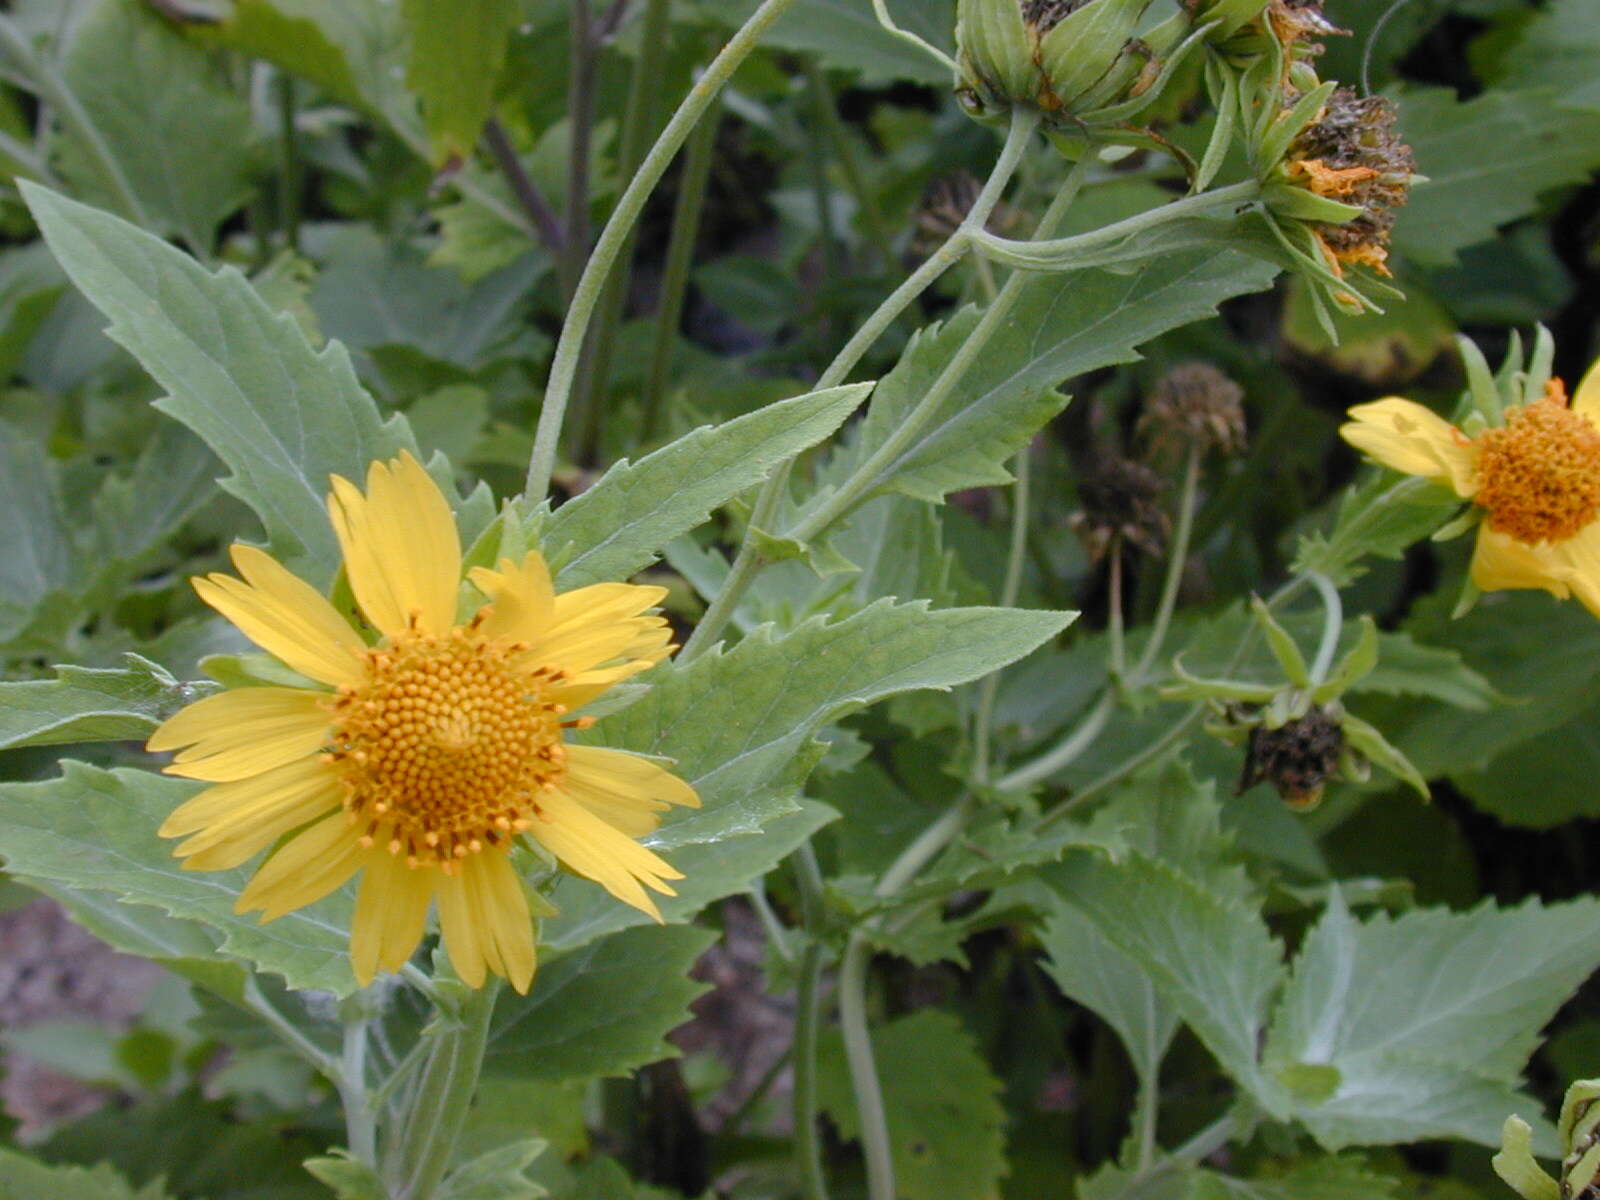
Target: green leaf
<point>946,1126</point>
<point>1469,195</point>
<point>1062,326</point>
<point>1557,49</point>
<point>21,1176</point>
<point>1393,1003</point>
<point>282,416</point>
<point>136,513</point>
<point>1090,970</point>
<point>179,131</point>
<point>94,829</point>
<point>496,1174</point>
<point>84,704</point>
<point>1211,957</point>
<point>1382,516</point>
<point>740,724</point>
<point>845,35</point>
<point>617,526</point>
<point>600,1010</point>
<point>349,1178</point>
<point>37,558</point>
<point>457,50</point>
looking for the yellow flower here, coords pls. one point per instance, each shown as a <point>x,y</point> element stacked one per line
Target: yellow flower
<point>419,758</point>
<point>1536,479</point>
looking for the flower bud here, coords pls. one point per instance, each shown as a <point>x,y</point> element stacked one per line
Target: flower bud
<point>1079,62</point>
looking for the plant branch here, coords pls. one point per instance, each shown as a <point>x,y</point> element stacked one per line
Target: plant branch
<point>580,133</point>
<point>1178,554</point>
<point>539,213</point>
<point>580,312</point>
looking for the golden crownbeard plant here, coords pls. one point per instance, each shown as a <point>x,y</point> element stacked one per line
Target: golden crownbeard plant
<point>421,750</point>
<point>1534,479</point>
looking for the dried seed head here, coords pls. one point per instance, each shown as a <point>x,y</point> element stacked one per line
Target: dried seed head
<point>1297,758</point>
<point>1194,404</point>
<point>1352,154</point>
<point>1121,502</point>
<point>1296,22</point>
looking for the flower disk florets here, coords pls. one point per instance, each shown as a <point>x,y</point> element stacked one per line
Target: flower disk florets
<point>443,750</point>
<point>1194,404</point>
<point>1539,475</point>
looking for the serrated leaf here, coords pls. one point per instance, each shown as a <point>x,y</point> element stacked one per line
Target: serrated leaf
<point>1557,48</point>
<point>740,724</point>
<point>94,829</point>
<point>178,130</point>
<point>282,416</point>
<point>21,1176</point>
<point>1469,195</point>
<point>1062,326</point>
<point>349,1178</point>
<point>1090,970</point>
<point>496,1174</point>
<point>1391,1003</point>
<point>1381,516</point>
<point>618,525</point>
<point>135,513</point>
<point>1212,958</point>
<point>84,704</point>
<point>600,1010</point>
<point>457,50</point>
<point>946,1125</point>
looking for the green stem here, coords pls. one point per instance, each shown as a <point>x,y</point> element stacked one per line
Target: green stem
<point>360,1129</point>
<point>1062,252</point>
<point>51,88</point>
<point>989,689</point>
<point>322,1062</point>
<point>871,1115</point>
<point>1064,753</point>
<point>431,1128</point>
<point>1332,623</point>
<point>880,9</point>
<point>580,126</point>
<point>807,1147</point>
<point>1178,554</point>
<point>540,215</point>
<point>638,117</point>
<point>680,258</point>
<point>1118,658</point>
<point>1144,1116</point>
<point>747,562</point>
<point>580,312</point>
<point>289,209</point>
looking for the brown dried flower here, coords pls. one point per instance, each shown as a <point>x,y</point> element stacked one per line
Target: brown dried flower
<point>1194,404</point>
<point>1121,502</point>
<point>1297,758</point>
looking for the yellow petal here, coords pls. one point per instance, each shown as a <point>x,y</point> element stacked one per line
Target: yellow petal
<point>483,915</point>
<point>1501,562</point>
<point>243,732</point>
<point>1580,556</point>
<point>522,597</point>
<point>1404,435</point>
<point>391,909</point>
<point>624,790</point>
<point>286,617</point>
<point>593,849</point>
<point>579,647</point>
<point>286,785</point>
<point>247,832</point>
<point>304,869</point>
<point>1586,400</point>
<point>603,603</point>
<point>585,686</point>
<point>401,550</point>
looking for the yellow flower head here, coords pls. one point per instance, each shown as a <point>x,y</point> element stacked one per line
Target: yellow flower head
<point>419,757</point>
<point>1536,479</point>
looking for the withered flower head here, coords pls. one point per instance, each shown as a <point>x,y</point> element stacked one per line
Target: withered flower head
<point>1352,154</point>
<point>1194,404</point>
<point>1296,22</point>
<point>1121,503</point>
<point>1297,758</point>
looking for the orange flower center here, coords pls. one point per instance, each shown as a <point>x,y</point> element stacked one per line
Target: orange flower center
<point>1539,476</point>
<point>444,748</point>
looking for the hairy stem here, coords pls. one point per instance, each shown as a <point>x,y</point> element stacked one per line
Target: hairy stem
<point>360,1128</point>
<point>807,1148</point>
<point>539,213</point>
<point>1332,623</point>
<point>580,118</point>
<point>586,296</point>
<point>1177,555</point>
<point>871,1115</point>
<point>989,689</point>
